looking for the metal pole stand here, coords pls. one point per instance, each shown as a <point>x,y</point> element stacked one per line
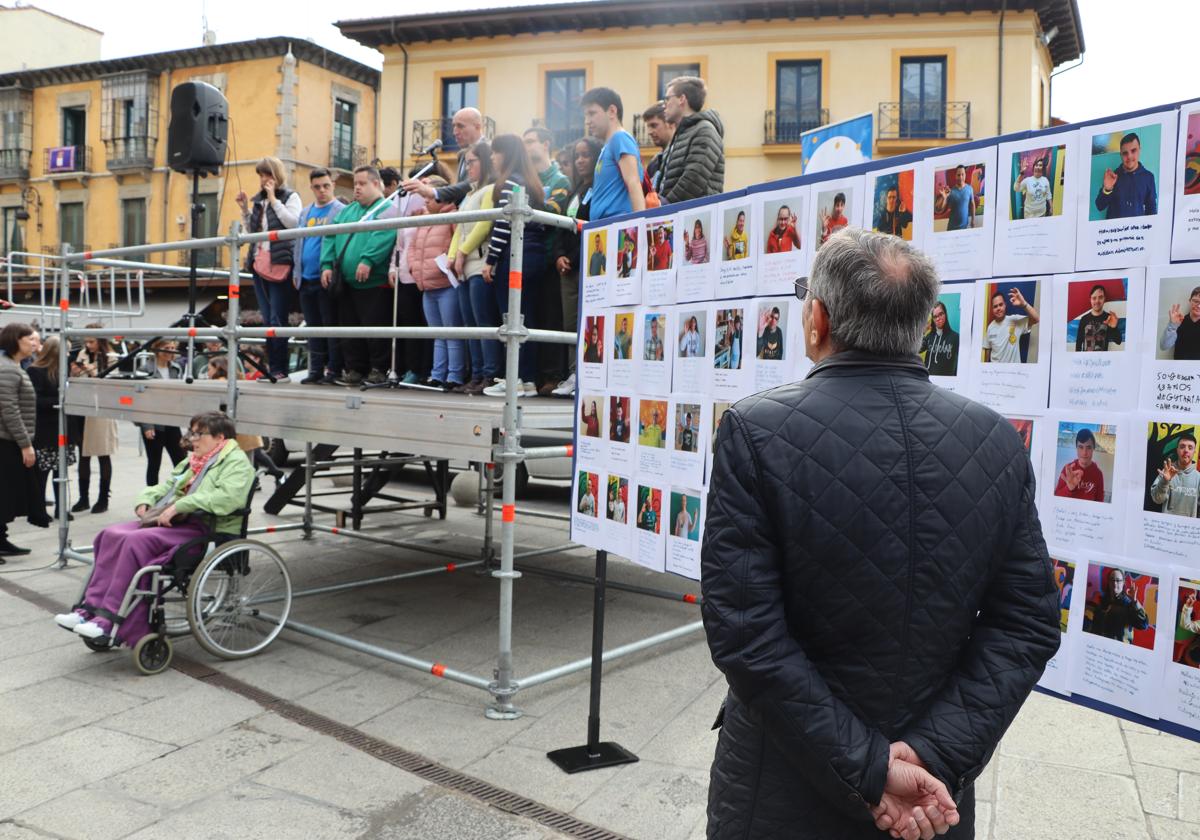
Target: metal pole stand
<point>595,753</point>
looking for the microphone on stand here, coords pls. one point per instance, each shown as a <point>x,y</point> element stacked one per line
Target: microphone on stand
<point>432,147</point>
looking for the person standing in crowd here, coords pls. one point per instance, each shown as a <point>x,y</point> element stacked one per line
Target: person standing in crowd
<point>557,188</point>
<point>515,171</point>
<point>160,438</point>
<point>362,258</point>
<point>1130,191</point>
<point>865,723</point>
<point>660,133</point>
<point>1097,328</point>
<point>391,181</point>
<point>18,422</point>
<point>585,151</point>
<point>617,183</point>
<point>1182,332</point>
<point>319,309</point>
<point>467,127</point>
<point>43,373</point>
<point>959,200</point>
<point>1035,189</point>
<point>939,346</point>
<point>695,247</point>
<point>439,298</point>
<point>100,439</point>
<point>467,253</point>
<point>274,207</point>
<point>694,162</point>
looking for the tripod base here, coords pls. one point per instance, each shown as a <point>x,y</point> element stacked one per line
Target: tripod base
<point>579,759</point>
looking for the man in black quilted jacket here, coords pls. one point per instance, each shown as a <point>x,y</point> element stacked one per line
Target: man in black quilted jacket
<point>693,164</point>
<point>876,587</point>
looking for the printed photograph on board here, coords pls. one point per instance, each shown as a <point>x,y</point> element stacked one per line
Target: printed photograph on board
<point>1085,457</point>
<point>652,415</point>
<point>1177,337</point>
<point>1172,482</point>
<point>1186,650</point>
<point>1121,604</point>
<point>737,233</point>
<point>781,225</point>
<point>593,339</point>
<point>691,334</point>
<point>727,340</point>
<point>660,247</point>
<point>618,419</point>
<point>687,427</point>
<point>1010,311</point>
<point>1024,427</point>
<point>772,327</point>
<point>685,516</point>
<point>1189,178</point>
<point>652,345</point>
<point>627,251</point>
<point>1064,581</point>
<point>1123,173</point>
<point>617,499</point>
<point>958,198</point>
<point>623,336</point>
<point>1037,183</point>
<point>588,490</point>
<point>597,262</point>
<point>1096,315</point>
<point>891,209</point>
<point>940,343</point>
<point>591,415</point>
<point>696,247</point>
<point>833,209</point>
<point>649,511</point>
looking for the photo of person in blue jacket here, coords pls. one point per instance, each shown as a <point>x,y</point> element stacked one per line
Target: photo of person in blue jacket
<point>1129,191</point>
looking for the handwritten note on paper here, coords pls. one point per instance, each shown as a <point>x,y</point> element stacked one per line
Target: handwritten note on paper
<point>1003,386</point>
<point>1113,674</point>
<point>1122,239</point>
<point>1174,390</point>
<point>1091,382</point>
<point>1075,525</point>
<point>1187,699</point>
<point>1034,241</point>
<point>1170,535</point>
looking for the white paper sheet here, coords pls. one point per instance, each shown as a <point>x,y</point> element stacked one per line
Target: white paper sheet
<point>653,434</point>
<point>691,347</point>
<point>622,443</point>
<point>592,351</point>
<point>1066,571</point>
<point>1036,206</point>
<point>1185,243</point>
<point>660,240</point>
<point>1163,521</point>
<point>621,361</point>
<point>785,242</point>
<point>686,532</point>
<point>699,254</point>
<point>737,273</point>
<point>946,344</point>
<point>617,528</point>
<point>776,337</point>
<point>598,269</point>
<point>1170,368</point>
<point>650,528</point>
<point>1131,224</point>
<point>627,255</point>
<point>1181,622</point>
<point>731,339</point>
<point>1010,354</point>
<point>586,509</point>
<point>1095,365</point>
<point>1085,496</point>
<point>653,344</point>
<point>591,442</point>
<point>957,222</point>
<point>690,422</point>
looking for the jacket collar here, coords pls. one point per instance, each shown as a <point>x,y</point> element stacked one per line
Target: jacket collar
<point>859,360</point>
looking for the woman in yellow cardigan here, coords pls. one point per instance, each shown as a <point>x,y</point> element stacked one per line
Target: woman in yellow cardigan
<point>468,252</point>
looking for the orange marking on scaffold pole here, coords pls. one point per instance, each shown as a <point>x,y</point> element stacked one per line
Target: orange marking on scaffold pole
<point>333,530</point>
<point>579,224</point>
<point>273,236</point>
<point>64,304</point>
<point>570,450</point>
<point>689,598</point>
<point>235,292</point>
<point>450,567</point>
<point>191,332</point>
<point>125,400</point>
<point>62,440</point>
<point>270,333</point>
<point>270,529</point>
<point>514,279</point>
<point>87,255</point>
<point>508,513</point>
<point>438,669</point>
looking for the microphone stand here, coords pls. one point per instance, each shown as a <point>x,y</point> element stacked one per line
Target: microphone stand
<point>393,380</point>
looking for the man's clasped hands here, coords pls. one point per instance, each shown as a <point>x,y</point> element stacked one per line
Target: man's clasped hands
<point>914,803</point>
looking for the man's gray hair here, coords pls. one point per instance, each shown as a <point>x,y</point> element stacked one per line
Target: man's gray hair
<point>877,289</point>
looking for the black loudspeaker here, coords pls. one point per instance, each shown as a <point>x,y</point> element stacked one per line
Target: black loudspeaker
<point>199,129</point>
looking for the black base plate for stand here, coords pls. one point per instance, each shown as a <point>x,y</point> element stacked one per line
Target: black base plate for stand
<point>579,759</point>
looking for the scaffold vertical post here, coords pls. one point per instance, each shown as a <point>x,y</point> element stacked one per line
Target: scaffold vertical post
<point>308,477</point>
<point>61,481</point>
<point>487,507</point>
<point>232,314</point>
<point>504,687</point>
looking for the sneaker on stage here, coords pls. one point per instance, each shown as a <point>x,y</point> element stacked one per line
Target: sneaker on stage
<point>376,377</point>
<point>566,388</point>
<point>313,378</point>
<point>478,386</point>
<point>411,378</point>
<point>500,389</point>
<point>352,378</point>
<point>329,379</point>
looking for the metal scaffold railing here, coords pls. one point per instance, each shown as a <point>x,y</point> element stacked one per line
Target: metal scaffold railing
<point>507,450</point>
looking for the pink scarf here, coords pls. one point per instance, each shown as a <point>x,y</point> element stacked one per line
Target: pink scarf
<point>197,462</point>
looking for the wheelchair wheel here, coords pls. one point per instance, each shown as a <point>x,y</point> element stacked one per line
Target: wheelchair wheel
<point>238,599</point>
<point>152,654</point>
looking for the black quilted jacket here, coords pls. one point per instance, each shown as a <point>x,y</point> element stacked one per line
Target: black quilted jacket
<point>693,165</point>
<point>873,570</point>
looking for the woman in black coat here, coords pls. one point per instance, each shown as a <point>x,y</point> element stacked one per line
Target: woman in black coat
<point>18,412</point>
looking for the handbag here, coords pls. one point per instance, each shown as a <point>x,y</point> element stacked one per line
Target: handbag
<point>268,270</point>
<point>47,459</point>
<point>337,282</point>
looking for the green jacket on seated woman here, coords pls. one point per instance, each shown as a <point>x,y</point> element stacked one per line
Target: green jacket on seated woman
<point>222,491</point>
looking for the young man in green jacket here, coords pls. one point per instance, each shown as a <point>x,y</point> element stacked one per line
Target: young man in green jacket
<point>366,300</point>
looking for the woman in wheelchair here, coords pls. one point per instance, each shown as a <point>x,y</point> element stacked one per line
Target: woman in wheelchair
<point>205,493</point>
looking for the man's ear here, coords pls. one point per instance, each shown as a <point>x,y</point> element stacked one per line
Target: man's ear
<point>819,320</point>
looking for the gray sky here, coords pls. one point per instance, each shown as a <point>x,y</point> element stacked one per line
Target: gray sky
<point>1138,54</point>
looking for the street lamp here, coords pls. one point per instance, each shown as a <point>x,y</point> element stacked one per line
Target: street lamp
<point>27,195</point>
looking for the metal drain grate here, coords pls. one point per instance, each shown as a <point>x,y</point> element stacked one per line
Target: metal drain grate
<point>411,762</point>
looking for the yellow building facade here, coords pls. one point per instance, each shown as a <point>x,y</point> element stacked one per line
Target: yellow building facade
<point>932,73</point>
<point>84,147</point>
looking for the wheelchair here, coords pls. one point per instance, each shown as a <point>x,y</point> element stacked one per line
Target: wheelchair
<point>236,591</point>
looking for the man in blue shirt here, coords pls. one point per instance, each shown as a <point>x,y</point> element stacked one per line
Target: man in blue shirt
<point>1130,191</point>
<point>960,199</point>
<point>320,310</point>
<point>617,186</point>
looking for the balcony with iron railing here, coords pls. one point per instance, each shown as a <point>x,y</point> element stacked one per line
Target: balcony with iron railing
<point>924,121</point>
<point>129,153</point>
<point>640,134</point>
<point>14,164</point>
<point>65,160</point>
<point>425,132</point>
<point>345,156</point>
<point>785,127</point>
<point>563,137</point>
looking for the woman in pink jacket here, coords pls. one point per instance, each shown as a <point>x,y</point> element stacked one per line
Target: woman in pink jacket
<point>437,296</point>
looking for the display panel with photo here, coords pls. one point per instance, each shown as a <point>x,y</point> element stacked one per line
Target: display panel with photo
<point>597,267</point>
<point>591,448</point>
<point>700,250</point>
<point>585,510</point>
<point>1035,218</point>
<point>628,259</point>
<point>732,373</point>
<point>1181,684</point>
<point>1096,324</point>
<point>1085,460</point>
<point>660,245</point>
<point>947,335</point>
<point>1011,316</point>
<point>654,343</point>
<point>653,425</point>
<point>690,348</point>
<point>1185,244</point>
<point>738,267</point>
<point>685,531</point>
<point>1125,202</point>
<point>597,253</point>
<point>786,244</point>
<point>1086,499</point>
<point>955,218</point>
<point>649,533</point>
<point>591,369</point>
<point>833,209</point>
<point>775,342</point>
<point>689,439</point>
<point>1172,482</point>
<point>1186,650</point>
<point>619,432</point>
<point>1170,380</point>
<point>891,210</point>
<point>619,345</point>
<point>617,527</point>
<point>1055,675</point>
<point>1121,604</point>
<point>958,197</point>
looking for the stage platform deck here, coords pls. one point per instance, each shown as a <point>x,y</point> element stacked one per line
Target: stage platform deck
<point>431,424</point>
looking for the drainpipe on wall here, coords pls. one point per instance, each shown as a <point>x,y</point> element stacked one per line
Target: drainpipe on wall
<point>403,100</point>
<point>1000,71</point>
<point>166,197</point>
